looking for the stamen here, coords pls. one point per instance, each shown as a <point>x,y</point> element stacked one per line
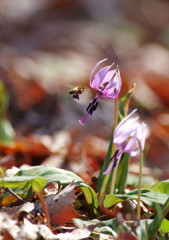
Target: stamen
<point>114,156</point>
<point>92,106</point>
<point>114,160</point>
<point>87,109</point>
<point>122,156</point>
<point>95,106</point>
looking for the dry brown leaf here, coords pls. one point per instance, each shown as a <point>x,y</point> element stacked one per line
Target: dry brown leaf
<point>27,93</point>
<point>26,150</point>
<point>126,236</point>
<point>60,206</point>
<point>7,236</point>
<point>26,207</point>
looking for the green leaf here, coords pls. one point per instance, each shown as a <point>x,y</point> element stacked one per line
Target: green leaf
<point>111,223</point>
<point>90,196</point>
<point>110,226</point>
<point>157,221</point>
<point>105,165</point>
<point>113,228</point>
<point>161,187</point>
<point>51,174</point>
<point>4,100</point>
<point>132,180</point>
<point>124,102</point>
<point>122,173</point>
<point>22,186</point>
<point>23,192</point>
<point>164,226</point>
<point>38,184</point>
<point>63,177</point>
<point>107,227</point>
<point>111,200</point>
<point>34,182</point>
<point>7,133</point>
<point>147,196</point>
<point>141,230</point>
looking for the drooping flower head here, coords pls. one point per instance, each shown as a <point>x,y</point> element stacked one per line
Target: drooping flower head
<point>107,82</point>
<point>126,136</point>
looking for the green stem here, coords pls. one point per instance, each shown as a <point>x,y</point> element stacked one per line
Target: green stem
<point>103,189</point>
<point>106,178</point>
<point>113,181</point>
<point>140,181</point>
<point>116,112</point>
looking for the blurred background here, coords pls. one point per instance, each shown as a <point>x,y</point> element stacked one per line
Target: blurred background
<point>49,46</point>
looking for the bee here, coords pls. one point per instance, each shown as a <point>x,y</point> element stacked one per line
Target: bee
<point>76,91</point>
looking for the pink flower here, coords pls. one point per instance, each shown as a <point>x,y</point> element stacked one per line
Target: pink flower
<point>107,82</point>
<point>126,136</point>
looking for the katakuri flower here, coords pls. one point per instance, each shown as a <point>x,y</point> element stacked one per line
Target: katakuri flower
<point>126,136</point>
<point>107,82</point>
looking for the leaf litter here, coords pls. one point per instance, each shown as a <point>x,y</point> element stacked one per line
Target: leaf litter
<point>44,118</point>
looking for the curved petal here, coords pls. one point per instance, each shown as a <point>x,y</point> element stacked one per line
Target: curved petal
<point>108,77</point>
<point>141,134</point>
<point>116,80</point>
<point>132,146</point>
<point>98,78</point>
<point>113,88</point>
<point>95,67</point>
<point>109,168</point>
<point>126,118</point>
<point>125,131</point>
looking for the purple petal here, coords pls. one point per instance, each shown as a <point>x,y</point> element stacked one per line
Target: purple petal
<point>126,118</point>
<point>98,78</point>
<point>132,145</point>
<point>124,132</point>
<point>108,77</point>
<point>112,90</point>
<point>96,66</point>
<point>114,84</point>
<point>127,134</point>
<point>141,134</point>
<point>109,169</point>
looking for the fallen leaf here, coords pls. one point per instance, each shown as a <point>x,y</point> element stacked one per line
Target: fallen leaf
<point>126,236</point>
<point>26,207</point>
<point>8,225</point>
<point>7,236</point>
<point>60,206</point>
<point>77,234</point>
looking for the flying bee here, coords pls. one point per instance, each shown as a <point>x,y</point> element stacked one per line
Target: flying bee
<point>76,91</point>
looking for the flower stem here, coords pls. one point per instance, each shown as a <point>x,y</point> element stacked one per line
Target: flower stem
<point>106,178</point>
<point>140,181</point>
<point>116,111</point>
<point>112,187</point>
<point>103,189</point>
